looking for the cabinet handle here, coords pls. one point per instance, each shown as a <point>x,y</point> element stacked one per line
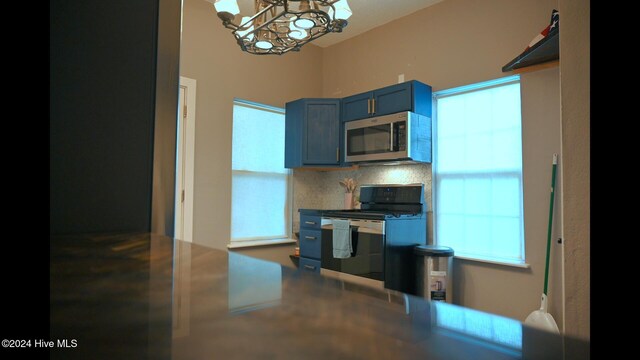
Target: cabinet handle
<point>368,106</point>
<point>309,267</point>
<point>310,237</point>
<point>337,154</point>
<point>373,106</point>
<point>310,222</point>
<point>391,138</point>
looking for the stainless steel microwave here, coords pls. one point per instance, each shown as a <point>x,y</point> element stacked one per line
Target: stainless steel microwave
<point>404,136</point>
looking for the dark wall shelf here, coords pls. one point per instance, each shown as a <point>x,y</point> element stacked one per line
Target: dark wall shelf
<point>545,50</point>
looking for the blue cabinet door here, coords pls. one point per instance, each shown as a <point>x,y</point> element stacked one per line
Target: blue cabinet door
<point>321,132</point>
<point>293,119</point>
<point>357,106</point>
<point>393,99</point>
<point>309,265</point>
<point>312,133</point>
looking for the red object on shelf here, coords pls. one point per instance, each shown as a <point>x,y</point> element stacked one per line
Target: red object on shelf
<point>553,24</point>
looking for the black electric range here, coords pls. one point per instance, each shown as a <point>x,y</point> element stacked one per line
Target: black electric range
<point>387,202</point>
<point>392,220</point>
<point>371,215</point>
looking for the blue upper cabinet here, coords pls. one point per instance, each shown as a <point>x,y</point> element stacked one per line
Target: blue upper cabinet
<point>312,133</point>
<point>357,106</point>
<point>408,96</point>
<point>392,99</point>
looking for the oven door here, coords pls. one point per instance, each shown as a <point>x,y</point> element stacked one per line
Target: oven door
<point>366,264</point>
<point>381,138</point>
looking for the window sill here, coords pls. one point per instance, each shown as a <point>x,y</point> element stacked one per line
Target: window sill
<point>522,265</point>
<point>244,244</point>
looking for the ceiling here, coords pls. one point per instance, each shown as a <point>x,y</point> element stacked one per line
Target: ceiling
<point>367,14</point>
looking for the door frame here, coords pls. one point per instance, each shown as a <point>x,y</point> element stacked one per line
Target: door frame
<point>189,86</point>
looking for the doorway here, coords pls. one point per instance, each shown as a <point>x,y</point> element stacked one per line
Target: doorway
<point>185,145</point>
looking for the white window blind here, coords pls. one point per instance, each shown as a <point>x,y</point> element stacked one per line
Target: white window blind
<point>478,171</point>
<point>260,196</point>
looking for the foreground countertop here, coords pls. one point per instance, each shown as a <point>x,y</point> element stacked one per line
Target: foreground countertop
<point>142,295</point>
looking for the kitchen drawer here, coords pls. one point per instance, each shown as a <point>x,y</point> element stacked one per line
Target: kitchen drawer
<point>310,245</point>
<point>309,265</point>
<point>310,221</point>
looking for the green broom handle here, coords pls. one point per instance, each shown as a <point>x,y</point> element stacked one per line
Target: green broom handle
<point>553,185</point>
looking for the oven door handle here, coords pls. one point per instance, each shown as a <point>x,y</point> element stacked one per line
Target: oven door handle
<point>375,228</point>
<point>366,230</point>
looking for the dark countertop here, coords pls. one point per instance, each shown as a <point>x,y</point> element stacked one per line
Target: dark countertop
<point>312,211</point>
<point>141,295</point>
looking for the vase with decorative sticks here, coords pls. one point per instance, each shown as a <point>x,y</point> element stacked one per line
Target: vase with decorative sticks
<point>349,186</point>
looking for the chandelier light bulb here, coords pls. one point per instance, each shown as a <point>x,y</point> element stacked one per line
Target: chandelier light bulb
<point>249,29</point>
<point>304,23</point>
<point>264,45</point>
<point>295,32</point>
<point>342,12</point>
<point>228,6</point>
<point>265,40</point>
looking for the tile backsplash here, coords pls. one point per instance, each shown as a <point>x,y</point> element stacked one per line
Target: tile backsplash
<point>321,190</point>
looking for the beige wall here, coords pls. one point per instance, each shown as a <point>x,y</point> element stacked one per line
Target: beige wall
<point>460,42</point>
<point>452,43</point>
<point>575,84</point>
<point>541,138</point>
<point>210,55</point>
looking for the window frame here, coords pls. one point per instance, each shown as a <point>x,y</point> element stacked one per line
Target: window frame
<point>288,176</point>
<point>435,178</point>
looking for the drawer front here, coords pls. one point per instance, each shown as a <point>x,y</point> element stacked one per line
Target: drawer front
<point>310,221</point>
<point>310,244</point>
<point>309,265</point>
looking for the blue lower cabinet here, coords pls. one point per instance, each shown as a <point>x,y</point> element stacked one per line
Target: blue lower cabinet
<point>309,265</point>
<point>310,240</point>
<point>310,245</point>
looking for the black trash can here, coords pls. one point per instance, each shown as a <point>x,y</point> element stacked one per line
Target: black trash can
<point>434,275</point>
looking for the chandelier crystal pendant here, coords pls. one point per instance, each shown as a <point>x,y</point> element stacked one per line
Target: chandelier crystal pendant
<point>280,26</point>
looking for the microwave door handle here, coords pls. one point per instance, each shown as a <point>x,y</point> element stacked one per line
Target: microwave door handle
<point>391,138</point>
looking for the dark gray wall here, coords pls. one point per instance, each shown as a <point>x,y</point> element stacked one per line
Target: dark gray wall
<point>103,76</point>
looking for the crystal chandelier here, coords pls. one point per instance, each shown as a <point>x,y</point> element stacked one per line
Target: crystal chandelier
<point>280,26</point>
